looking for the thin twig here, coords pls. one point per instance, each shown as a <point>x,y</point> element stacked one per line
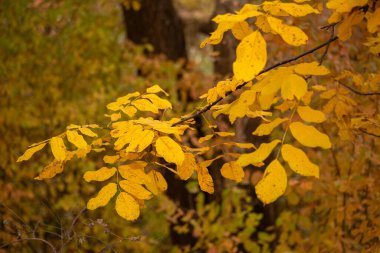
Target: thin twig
<point>359,92</point>
<point>208,107</point>
<point>372,134</point>
<point>31,239</point>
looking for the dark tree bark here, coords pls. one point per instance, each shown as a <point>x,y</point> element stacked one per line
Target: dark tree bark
<point>157,23</point>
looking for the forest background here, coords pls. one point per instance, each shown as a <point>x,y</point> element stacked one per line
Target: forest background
<point>63,62</point>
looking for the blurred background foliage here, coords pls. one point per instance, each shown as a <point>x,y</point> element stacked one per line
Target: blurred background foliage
<point>63,61</point>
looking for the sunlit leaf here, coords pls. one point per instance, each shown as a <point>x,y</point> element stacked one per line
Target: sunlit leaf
<point>30,152</point>
<point>273,184</point>
<point>170,150</point>
<point>232,170</point>
<point>101,174</point>
<point>127,207</point>
<point>104,196</point>
<point>298,161</point>
<point>309,136</point>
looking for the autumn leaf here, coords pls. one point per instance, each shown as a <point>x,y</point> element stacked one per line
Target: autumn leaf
<point>127,207</point>
<point>156,183</point>
<point>58,148</point>
<point>101,174</point>
<point>104,196</point>
<point>186,169</point>
<point>251,57</point>
<point>141,141</point>
<point>309,136</point>
<point>76,139</point>
<point>204,179</point>
<point>310,115</point>
<point>273,184</point>
<point>232,170</point>
<point>298,161</point>
<point>290,34</point>
<point>259,155</point>
<point>30,152</point>
<point>170,150</point>
<point>135,189</point>
<point>267,128</point>
<point>50,170</point>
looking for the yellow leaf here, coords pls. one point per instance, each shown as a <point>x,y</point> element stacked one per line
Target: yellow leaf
<point>104,196</point>
<point>135,189</point>
<point>259,155</point>
<point>206,138</point>
<point>87,131</point>
<point>145,105</point>
<point>76,139</point>
<point>251,57</point>
<point>161,126</point>
<point>309,136</point>
<point>130,111</point>
<point>293,86</point>
<point>277,8</point>
<point>225,134</point>
<point>311,68</point>
<point>273,184</point>
<point>131,132</point>
<point>170,150</point>
<point>111,158</point>
<point>186,169</point>
<point>204,179</point>
<point>50,171</point>
<point>290,34</point>
<point>58,148</point>
<point>156,89</point>
<point>310,115</point>
<point>157,101</point>
<point>342,6</point>
<point>241,30</point>
<point>217,36</point>
<point>345,27</point>
<point>141,141</point>
<point>156,183</point>
<point>273,80</point>
<point>232,170</point>
<point>30,152</point>
<point>127,207</point>
<point>126,99</point>
<point>267,128</point>
<point>298,161</point>
<point>134,172</point>
<point>373,20</point>
<point>101,174</point>
<point>262,24</point>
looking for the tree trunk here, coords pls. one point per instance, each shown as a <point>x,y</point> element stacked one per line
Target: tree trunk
<point>158,24</point>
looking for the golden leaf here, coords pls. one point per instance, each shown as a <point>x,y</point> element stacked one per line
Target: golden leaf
<point>145,105</point>
<point>156,89</point>
<point>345,27</point>
<point>204,179</point>
<point>30,152</point>
<point>267,128</point>
<point>310,115</point>
<point>135,189</point>
<point>278,8</point>
<point>141,141</point>
<point>342,6</point>
<point>58,148</point>
<point>134,172</point>
<point>156,183</point>
<point>51,170</point>
<point>101,174</point>
<point>259,155</point>
<point>127,207</point>
<point>298,161</point>
<point>251,57</point>
<point>131,132</point>
<point>311,68</point>
<point>104,196</point>
<point>273,184</point>
<point>241,30</point>
<point>290,34</point>
<point>232,170</point>
<point>293,86</point>
<point>157,101</point>
<point>76,139</point>
<point>170,150</point>
<point>87,131</point>
<point>309,136</point>
<point>186,169</point>
<point>111,158</point>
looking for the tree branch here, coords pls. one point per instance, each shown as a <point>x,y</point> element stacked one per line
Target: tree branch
<point>208,107</point>
<point>359,92</point>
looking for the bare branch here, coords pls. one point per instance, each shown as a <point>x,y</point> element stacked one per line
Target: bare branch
<point>359,92</point>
